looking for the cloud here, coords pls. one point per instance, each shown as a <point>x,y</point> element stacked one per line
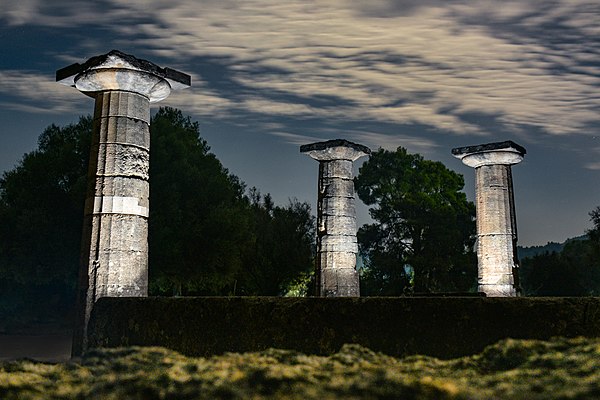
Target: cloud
<point>63,13</point>
<point>528,65</point>
<point>595,166</point>
<point>376,140</point>
<point>38,93</point>
<point>294,138</point>
<point>427,67</point>
<point>199,100</point>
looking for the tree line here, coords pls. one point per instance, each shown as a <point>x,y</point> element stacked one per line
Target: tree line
<point>573,270</point>
<point>209,234</point>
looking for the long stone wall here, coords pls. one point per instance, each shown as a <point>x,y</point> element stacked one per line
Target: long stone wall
<point>441,327</point>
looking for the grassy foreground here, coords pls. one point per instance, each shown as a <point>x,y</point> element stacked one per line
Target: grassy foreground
<point>511,369</point>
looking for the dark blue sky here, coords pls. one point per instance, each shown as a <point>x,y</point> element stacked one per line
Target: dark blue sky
<point>270,75</point>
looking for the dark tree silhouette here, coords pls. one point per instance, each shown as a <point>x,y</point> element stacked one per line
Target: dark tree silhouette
<point>198,219</point>
<point>205,234</point>
<point>574,271</point>
<point>280,249</point>
<point>41,216</point>
<point>423,236</point>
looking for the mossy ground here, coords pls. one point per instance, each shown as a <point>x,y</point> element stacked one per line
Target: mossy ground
<point>511,369</point>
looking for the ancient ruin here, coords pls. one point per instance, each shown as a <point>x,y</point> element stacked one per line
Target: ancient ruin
<point>336,217</point>
<point>114,261</point>
<point>496,219</point>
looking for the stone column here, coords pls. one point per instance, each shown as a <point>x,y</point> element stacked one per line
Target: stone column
<point>496,220</point>
<point>336,217</point>
<point>114,260</point>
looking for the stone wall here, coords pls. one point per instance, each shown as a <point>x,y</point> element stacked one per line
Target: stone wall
<point>441,327</point>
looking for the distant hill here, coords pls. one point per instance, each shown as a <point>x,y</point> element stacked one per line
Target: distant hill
<point>527,252</point>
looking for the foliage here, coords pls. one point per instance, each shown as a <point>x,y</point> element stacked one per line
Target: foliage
<point>41,213</point>
<point>594,235</point>
<point>206,236</point>
<point>574,271</point>
<point>279,251</point>
<point>198,220</point>
<point>510,369</point>
<point>530,251</point>
<point>423,236</point>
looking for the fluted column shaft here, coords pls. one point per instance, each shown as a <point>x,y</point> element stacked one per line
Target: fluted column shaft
<point>336,233</point>
<point>118,194</point>
<point>495,231</point>
<point>336,273</point>
<point>114,255</point>
<point>496,220</point>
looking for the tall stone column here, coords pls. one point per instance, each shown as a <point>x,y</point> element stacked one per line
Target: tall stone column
<point>336,217</point>
<point>496,219</point>
<point>114,259</point>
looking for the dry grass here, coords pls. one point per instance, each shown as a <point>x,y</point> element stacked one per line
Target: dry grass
<point>511,369</point>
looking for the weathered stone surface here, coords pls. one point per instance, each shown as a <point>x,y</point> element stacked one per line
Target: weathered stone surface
<point>339,225</point>
<point>337,259</point>
<point>115,239</point>
<point>343,206</point>
<point>123,160</point>
<point>496,222</point>
<point>336,217</point>
<point>129,105</point>
<point>345,244</point>
<point>115,254</point>
<point>96,80</point>
<point>340,282</point>
<point>337,149</point>
<point>123,72</point>
<point>337,187</point>
<point>489,147</point>
<point>122,186</point>
<point>337,169</point>
<point>338,239</point>
<point>132,132</point>
<point>102,205</point>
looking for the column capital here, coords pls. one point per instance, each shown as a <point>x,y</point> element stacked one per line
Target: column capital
<point>337,149</point>
<point>119,71</point>
<point>498,153</point>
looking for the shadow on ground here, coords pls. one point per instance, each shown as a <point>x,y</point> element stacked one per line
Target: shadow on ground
<point>44,347</point>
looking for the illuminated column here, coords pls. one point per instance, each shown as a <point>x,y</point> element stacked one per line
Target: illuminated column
<point>496,220</point>
<point>336,217</point>
<point>114,260</point>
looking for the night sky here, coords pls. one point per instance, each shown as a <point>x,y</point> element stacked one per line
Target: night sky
<point>270,75</point>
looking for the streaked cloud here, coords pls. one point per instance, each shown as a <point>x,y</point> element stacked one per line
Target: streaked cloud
<point>37,93</point>
<point>376,140</point>
<point>529,66</point>
<point>294,138</point>
<point>200,100</point>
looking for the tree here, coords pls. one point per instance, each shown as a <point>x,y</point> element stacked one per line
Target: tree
<point>594,235</point>
<point>423,236</point>
<point>198,215</point>
<point>41,214</point>
<point>572,272</point>
<point>280,249</point>
<point>201,227</point>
